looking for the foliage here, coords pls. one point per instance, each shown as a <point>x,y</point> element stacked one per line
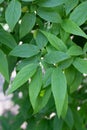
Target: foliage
<point>45,42</point>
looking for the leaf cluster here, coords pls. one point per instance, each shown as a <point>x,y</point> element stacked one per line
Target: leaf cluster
<point>44,41</point>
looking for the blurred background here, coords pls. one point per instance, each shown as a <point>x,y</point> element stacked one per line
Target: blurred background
<point>8,110</point>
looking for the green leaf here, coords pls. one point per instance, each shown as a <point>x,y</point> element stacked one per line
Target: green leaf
<point>55,41</point>
<point>42,125</point>
<point>28,21</point>
<point>24,74</point>
<point>25,50</point>
<point>41,40</point>
<point>32,124</point>
<point>7,39</point>
<point>42,99</point>
<point>70,4</point>
<point>28,0</point>
<point>50,48</point>
<point>64,35</point>
<point>79,15</point>
<point>57,123</point>
<point>50,3</point>
<point>70,75</point>
<point>1,1</point>
<point>65,107</point>
<point>35,87</point>
<point>74,78</point>
<point>81,65</point>
<point>4,65</point>
<point>27,61</point>
<point>76,82</point>
<point>55,28</point>
<point>55,57</point>
<point>13,13</point>
<point>47,77</point>
<point>69,119</point>
<point>71,27</point>
<point>85,48</point>
<point>66,63</point>
<point>59,88</point>
<point>75,51</point>
<point>78,120</point>
<point>49,15</point>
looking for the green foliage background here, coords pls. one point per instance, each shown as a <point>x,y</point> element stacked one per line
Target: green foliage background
<point>45,41</point>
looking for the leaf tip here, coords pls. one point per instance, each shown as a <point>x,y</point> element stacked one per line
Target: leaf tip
<point>8,91</point>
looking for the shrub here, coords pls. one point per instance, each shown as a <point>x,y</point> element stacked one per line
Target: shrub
<point>44,41</point>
